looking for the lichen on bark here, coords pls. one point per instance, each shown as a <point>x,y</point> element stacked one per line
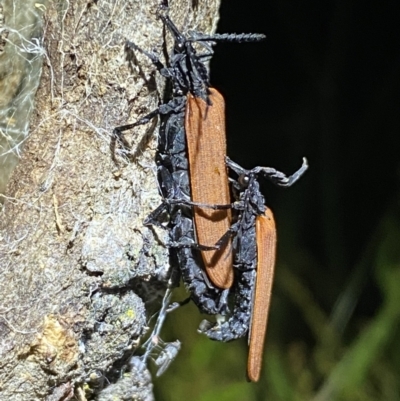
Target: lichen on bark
<point>72,240</point>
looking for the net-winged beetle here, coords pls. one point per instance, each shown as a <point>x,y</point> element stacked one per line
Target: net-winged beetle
<point>189,76</point>
<point>206,145</point>
<point>266,253</point>
<point>254,245</point>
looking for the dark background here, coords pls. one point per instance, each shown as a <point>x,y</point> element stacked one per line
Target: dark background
<point>324,85</point>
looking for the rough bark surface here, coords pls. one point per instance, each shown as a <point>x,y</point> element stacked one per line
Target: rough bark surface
<point>73,248</point>
<point>21,58</point>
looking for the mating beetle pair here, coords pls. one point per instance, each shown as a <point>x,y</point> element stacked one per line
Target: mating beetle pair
<point>190,85</point>
<point>214,242</point>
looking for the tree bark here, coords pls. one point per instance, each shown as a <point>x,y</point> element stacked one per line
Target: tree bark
<point>73,248</point>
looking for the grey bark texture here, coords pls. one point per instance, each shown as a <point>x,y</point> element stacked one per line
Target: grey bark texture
<point>73,248</point>
<point>21,57</point>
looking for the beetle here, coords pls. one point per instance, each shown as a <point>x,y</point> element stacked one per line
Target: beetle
<point>206,144</point>
<point>186,69</point>
<point>254,246</point>
<point>174,183</point>
<point>188,75</point>
<point>266,254</point>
